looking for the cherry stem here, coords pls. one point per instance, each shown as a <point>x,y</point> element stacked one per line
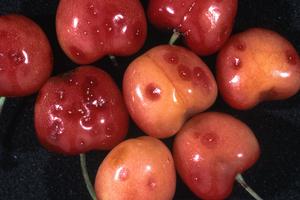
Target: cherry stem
<point>86,177</point>
<point>114,60</point>
<point>2,100</point>
<point>239,178</point>
<point>174,37</point>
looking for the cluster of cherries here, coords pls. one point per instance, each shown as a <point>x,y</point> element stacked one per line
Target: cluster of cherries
<point>164,91</point>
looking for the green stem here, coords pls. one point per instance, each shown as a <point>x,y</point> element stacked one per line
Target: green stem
<point>2,100</point>
<point>113,60</point>
<point>239,178</point>
<point>174,37</point>
<point>86,177</point>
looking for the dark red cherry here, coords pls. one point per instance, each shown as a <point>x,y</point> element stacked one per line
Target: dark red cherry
<point>26,58</point>
<point>204,24</point>
<point>80,111</point>
<point>89,30</point>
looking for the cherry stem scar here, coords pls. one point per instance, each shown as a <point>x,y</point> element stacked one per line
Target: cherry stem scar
<point>239,178</point>
<point>174,37</point>
<point>86,177</point>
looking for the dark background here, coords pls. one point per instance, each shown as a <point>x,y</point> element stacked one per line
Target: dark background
<point>28,171</point>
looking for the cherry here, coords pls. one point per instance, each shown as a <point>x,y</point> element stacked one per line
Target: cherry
<point>89,30</point>
<point>140,168</point>
<point>80,111</point>
<point>257,65</point>
<point>165,86</point>
<point>205,25</point>
<point>25,56</point>
<point>211,150</point>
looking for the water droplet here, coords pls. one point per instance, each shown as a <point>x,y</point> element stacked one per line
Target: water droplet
<point>108,27</point>
<point>92,10</point>
<point>237,63</point>
<point>122,174</point>
<point>17,57</point>
<point>60,94</point>
<point>138,32</point>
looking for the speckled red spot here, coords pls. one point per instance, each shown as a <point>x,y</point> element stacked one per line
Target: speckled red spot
<point>268,94</point>
<point>151,184</point>
<point>171,58</point>
<point>77,53</point>
<point>153,92</point>
<point>210,140</point>
<point>201,78</point>
<point>291,57</point>
<point>240,46</point>
<point>184,72</point>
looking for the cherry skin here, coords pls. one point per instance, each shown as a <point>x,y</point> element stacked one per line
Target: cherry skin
<point>210,150</point>
<point>89,30</point>
<point>26,59</point>
<point>257,65</point>
<point>205,24</point>
<point>165,86</point>
<point>80,111</point>
<point>140,168</point>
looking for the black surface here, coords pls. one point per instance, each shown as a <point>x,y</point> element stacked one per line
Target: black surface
<point>27,171</point>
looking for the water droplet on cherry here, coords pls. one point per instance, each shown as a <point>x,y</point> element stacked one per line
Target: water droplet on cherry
<point>123,174</point>
<point>56,129</point>
<point>17,57</point>
<point>237,63</point>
